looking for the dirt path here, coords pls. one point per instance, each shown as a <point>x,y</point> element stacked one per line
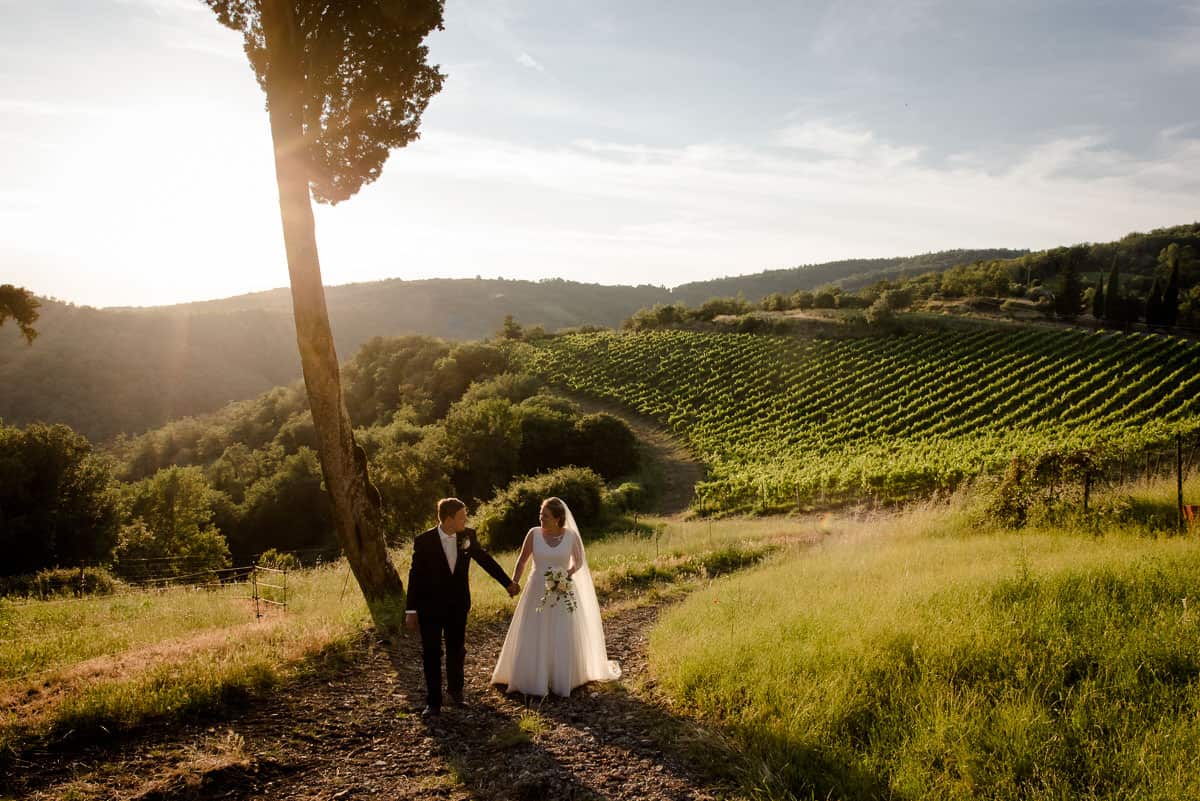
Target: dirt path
<point>357,735</point>
<point>673,467</point>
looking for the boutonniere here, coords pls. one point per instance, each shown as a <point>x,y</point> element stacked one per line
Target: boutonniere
<point>464,543</point>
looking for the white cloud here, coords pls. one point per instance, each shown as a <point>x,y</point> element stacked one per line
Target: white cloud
<point>626,213</point>
<point>502,183</point>
<point>526,60</point>
<point>826,139</point>
<point>847,26</point>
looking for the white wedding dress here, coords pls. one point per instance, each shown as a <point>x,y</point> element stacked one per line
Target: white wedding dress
<point>555,650</point>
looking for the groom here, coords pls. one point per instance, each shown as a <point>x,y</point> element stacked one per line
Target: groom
<point>439,596</point>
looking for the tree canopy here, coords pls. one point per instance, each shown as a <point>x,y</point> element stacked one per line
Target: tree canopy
<point>364,80</point>
<point>19,304</point>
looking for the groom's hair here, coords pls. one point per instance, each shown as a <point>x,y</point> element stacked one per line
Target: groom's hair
<point>448,507</point>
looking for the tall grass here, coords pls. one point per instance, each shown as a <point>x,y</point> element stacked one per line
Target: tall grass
<point>923,657</point>
<point>115,661</point>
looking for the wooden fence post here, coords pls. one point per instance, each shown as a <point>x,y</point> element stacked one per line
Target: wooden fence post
<point>1179,476</point>
<point>254,590</point>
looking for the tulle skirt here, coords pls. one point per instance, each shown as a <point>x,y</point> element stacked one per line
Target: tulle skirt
<point>555,650</point>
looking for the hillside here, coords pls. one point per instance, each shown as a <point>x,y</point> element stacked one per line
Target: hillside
<point>108,371</point>
<point>783,422</point>
<point>849,274</point>
<point>125,370</point>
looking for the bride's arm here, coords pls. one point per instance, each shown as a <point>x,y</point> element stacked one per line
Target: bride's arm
<point>526,552</point>
<point>576,555</point>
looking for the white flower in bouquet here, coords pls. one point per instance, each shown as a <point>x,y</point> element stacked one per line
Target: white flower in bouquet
<point>559,588</point>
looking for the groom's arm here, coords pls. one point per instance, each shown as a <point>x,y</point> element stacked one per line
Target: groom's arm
<point>416,583</point>
<point>489,564</point>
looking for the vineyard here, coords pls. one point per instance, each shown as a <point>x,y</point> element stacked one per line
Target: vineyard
<point>784,422</point>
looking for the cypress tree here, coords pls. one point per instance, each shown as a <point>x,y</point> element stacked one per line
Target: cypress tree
<point>1170,295</point>
<point>1114,304</point>
<point>1098,298</point>
<point>1154,304</point>
<point>1068,299</point>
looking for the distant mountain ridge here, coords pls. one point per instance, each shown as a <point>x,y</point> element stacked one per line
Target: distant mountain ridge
<point>848,274</point>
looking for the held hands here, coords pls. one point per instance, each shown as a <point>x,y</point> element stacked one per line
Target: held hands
<point>514,589</point>
<point>410,621</point>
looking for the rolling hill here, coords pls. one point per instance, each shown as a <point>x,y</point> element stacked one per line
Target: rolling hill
<point>126,370</point>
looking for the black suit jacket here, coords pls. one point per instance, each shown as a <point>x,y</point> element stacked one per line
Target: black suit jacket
<point>433,591</point>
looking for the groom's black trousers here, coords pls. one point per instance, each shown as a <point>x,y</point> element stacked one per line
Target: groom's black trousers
<point>451,626</point>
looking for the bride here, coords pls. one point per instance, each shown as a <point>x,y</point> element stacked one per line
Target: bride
<point>558,645</point>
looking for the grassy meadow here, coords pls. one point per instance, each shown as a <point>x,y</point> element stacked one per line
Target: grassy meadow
<point>930,656</point>
<point>115,661</point>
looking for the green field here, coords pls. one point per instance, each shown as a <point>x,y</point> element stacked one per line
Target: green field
<point>116,661</point>
<point>784,422</point>
<point>927,656</point>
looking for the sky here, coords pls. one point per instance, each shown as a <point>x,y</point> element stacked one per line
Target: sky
<point>603,141</point>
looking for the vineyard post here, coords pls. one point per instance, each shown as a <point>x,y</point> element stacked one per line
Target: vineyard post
<point>1087,489</point>
<point>254,590</point>
<point>1179,477</point>
<point>797,497</point>
<point>710,538</point>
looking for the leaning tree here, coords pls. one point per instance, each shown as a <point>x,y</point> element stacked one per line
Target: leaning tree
<point>346,81</point>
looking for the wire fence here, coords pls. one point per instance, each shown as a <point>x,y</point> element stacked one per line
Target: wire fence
<point>269,588</point>
<point>265,585</point>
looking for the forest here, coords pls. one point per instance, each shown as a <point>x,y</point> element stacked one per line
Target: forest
<point>201,493</point>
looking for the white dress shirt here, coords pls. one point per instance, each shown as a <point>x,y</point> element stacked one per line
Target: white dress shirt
<point>450,546</point>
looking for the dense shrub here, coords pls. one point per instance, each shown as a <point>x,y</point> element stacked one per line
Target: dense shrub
<point>1037,489</point>
<point>547,436</point>
<point>503,522</point>
<point>512,387</point>
<point>278,561</point>
<point>606,444</point>
<point>76,581</point>
<point>628,497</point>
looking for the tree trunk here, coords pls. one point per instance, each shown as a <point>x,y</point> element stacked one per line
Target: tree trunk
<point>355,506</point>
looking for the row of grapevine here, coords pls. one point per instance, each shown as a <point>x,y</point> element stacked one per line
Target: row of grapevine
<point>783,422</point>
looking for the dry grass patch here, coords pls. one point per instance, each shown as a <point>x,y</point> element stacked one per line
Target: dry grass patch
<point>215,760</point>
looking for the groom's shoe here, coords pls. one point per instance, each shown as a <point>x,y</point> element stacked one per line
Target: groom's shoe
<point>456,699</point>
<point>431,712</point>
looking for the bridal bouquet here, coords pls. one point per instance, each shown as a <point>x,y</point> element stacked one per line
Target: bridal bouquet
<point>558,588</point>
